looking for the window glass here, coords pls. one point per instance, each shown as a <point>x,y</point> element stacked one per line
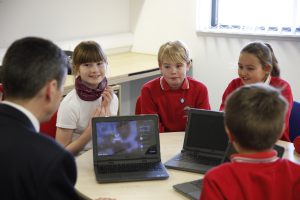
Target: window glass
<point>265,16</point>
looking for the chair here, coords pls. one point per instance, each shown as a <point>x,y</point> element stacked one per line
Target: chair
<point>295,121</point>
<point>138,106</point>
<point>49,127</point>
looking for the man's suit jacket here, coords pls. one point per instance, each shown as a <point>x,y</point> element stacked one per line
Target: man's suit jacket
<point>32,166</point>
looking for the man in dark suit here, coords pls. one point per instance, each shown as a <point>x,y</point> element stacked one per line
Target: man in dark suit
<point>33,166</point>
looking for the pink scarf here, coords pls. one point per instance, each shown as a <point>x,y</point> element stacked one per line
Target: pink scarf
<point>88,94</point>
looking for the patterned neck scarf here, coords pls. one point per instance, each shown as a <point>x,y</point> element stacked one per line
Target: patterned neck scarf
<point>88,94</point>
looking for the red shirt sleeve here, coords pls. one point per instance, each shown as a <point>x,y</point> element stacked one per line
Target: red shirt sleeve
<point>148,106</point>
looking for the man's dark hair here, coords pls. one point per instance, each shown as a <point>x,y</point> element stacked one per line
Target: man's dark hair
<point>29,64</point>
<point>255,115</point>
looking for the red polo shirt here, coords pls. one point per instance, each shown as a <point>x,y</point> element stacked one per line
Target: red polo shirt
<point>170,105</point>
<point>257,176</point>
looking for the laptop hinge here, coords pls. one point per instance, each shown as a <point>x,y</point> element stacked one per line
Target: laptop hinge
<point>112,162</point>
<point>204,154</point>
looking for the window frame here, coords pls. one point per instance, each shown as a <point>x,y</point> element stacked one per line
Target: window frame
<point>206,28</point>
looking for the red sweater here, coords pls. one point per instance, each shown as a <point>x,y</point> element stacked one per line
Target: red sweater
<point>258,176</point>
<point>275,82</point>
<point>158,98</point>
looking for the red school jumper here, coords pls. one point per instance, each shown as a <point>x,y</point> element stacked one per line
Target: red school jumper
<point>275,82</point>
<point>257,176</point>
<point>171,105</point>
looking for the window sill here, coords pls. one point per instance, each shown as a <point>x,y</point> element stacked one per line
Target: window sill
<point>248,35</point>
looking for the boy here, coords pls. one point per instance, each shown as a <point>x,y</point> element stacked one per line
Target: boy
<point>172,94</point>
<point>254,120</point>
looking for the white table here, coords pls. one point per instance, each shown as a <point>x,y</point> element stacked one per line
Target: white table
<point>171,144</point>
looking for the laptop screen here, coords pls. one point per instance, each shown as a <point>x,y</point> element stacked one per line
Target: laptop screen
<point>205,131</point>
<point>125,136</point>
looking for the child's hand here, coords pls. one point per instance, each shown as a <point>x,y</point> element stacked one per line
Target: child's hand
<point>107,96</point>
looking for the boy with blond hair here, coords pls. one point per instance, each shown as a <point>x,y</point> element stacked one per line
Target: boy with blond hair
<point>172,94</point>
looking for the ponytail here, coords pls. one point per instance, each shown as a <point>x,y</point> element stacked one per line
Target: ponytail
<point>275,68</point>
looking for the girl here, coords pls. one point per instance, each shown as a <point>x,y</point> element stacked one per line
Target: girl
<point>91,97</point>
<point>257,63</point>
<point>172,94</point>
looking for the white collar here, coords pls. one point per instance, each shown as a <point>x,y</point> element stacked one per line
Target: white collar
<point>26,112</point>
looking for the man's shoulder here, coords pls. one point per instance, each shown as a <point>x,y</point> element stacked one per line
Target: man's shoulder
<point>44,148</point>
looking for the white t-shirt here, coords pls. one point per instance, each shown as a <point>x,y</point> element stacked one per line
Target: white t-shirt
<point>75,113</point>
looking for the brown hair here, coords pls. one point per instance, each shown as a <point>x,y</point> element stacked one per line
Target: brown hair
<point>176,51</point>
<point>265,54</point>
<point>85,52</point>
<point>255,115</point>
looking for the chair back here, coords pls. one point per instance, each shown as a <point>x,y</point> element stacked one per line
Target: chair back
<point>49,127</point>
<point>295,121</point>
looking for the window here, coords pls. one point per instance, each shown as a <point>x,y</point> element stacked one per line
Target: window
<point>268,17</point>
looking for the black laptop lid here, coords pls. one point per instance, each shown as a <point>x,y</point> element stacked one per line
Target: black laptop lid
<point>205,131</point>
<point>231,150</point>
<point>125,137</point>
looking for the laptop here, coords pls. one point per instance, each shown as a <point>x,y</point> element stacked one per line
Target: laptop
<point>127,148</point>
<point>192,189</point>
<point>205,142</point>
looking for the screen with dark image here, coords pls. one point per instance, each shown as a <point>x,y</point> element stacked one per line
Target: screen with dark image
<point>126,137</point>
<point>207,130</point>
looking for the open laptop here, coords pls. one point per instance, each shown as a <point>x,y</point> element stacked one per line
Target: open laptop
<point>127,148</point>
<point>204,144</point>
<point>192,189</point>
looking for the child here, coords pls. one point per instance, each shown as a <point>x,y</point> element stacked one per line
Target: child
<point>91,97</point>
<point>254,120</point>
<point>172,94</point>
<point>257,63</point>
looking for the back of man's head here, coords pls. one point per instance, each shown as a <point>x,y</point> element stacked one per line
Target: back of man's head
<point>29,64</point>
<point>254,115</point>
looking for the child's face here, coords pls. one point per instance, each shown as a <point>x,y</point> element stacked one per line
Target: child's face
<point>174,73</point>
<point>92,73</point>
<point>250,69</point>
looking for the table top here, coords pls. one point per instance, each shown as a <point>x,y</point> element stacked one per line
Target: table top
<point>170,145</point>
<point>125,67</point>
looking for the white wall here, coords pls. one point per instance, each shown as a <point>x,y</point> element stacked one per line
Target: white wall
<point>67,22</point>
<point>61,20</point>
<point>214,57</point>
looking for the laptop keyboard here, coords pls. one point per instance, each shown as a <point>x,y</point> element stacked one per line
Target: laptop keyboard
<point>196,158</point>
<point>136,167</point>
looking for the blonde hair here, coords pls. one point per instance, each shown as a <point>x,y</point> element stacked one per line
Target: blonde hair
<point>86,52</point>
<point>176,51</point>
